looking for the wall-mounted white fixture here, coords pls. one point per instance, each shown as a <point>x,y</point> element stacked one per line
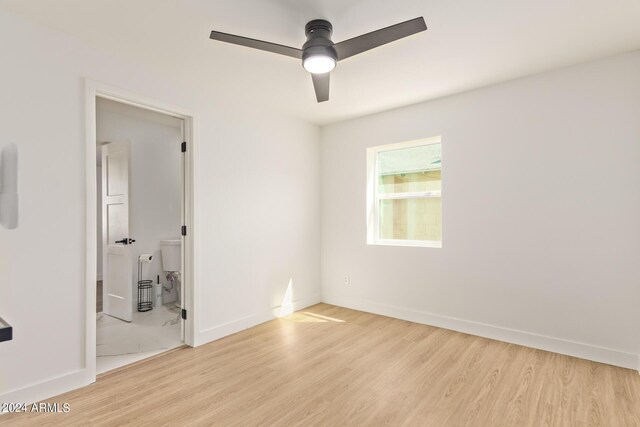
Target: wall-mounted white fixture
<point>9,187</point>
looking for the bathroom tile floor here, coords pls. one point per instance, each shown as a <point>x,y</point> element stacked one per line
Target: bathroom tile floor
<point>120,343</point>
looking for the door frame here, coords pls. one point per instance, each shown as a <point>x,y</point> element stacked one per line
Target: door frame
<point>95,90</point>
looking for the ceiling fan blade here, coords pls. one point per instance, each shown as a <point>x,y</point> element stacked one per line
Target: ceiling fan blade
<point>257,44</point>
<point>321,85</point>
<point>377,38</point>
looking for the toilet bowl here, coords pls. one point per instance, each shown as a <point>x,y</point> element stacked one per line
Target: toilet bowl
<point>171,251</point>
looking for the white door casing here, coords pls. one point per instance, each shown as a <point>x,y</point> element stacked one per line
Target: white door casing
<point>117,289</point>
<point>190,280</point>
<point>183,205</point>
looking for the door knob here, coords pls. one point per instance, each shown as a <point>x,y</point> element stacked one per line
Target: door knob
<point>125,241</point>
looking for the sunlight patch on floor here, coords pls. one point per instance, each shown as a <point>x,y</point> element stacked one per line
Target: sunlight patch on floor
<point>325,318</point>
<point>309,317</point>
<point>300,317</point>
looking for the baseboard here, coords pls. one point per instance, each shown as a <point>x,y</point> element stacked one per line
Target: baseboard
<point>234,326</point>
<point>77,379</point>
<point>527,339</point>
<point>47,389</point>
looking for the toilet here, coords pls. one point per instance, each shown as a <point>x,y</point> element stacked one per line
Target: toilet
<point>171,251</point>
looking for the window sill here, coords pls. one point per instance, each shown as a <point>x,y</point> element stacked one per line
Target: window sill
<point>408,243</point>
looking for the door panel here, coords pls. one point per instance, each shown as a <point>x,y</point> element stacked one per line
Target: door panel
<point>117,287</point>
<point>117,173</point>
<point>117,222</point>
<point>115,275</point>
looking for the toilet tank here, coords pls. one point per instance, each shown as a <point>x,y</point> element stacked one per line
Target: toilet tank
<point>171,254</point>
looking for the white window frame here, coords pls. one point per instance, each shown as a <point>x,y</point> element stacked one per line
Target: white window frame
<point>374,198</point>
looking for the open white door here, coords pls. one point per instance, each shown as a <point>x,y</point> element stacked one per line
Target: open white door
<point>117,287</point>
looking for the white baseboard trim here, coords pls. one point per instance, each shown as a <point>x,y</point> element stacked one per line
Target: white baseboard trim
<point>234,326</point>
<point>527,339</point>
<point>47,389</point>
<point>73,380</point>
<point>77,379</point>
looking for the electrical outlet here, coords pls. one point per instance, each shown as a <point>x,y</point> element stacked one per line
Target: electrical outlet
<point>346,279</point>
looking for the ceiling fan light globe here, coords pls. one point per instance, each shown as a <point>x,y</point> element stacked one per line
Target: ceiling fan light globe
<point>319,64</point>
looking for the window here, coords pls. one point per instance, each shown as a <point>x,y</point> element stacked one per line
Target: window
<point>404,194</point>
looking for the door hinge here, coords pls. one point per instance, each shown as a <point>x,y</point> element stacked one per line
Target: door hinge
<point>183,146</point>
<point>184,314</point>
<point>184,230</point>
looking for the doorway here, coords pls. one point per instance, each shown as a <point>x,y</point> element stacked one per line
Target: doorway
<point>140,292</point>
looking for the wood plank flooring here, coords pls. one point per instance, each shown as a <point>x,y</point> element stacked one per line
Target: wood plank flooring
<point>328,365</point>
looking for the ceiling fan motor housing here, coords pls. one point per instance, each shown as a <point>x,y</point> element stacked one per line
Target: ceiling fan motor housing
<point>318,42</point>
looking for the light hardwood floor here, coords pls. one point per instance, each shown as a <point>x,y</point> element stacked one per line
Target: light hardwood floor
<point>328,365</point>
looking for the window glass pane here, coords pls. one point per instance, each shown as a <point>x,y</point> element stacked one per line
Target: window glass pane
<point>410,169</point>
<point>411,219</point>
<point>410,182</point>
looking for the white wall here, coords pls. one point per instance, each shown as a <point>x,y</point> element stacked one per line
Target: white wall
<point>541,238</point>
<point>252,235</point>
<point>540,208</point>
<point>155,180</point>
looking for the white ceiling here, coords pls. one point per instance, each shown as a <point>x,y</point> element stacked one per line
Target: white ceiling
<point>469,44</point>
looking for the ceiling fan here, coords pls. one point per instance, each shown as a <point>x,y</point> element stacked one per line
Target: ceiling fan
<point>319,54</point>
